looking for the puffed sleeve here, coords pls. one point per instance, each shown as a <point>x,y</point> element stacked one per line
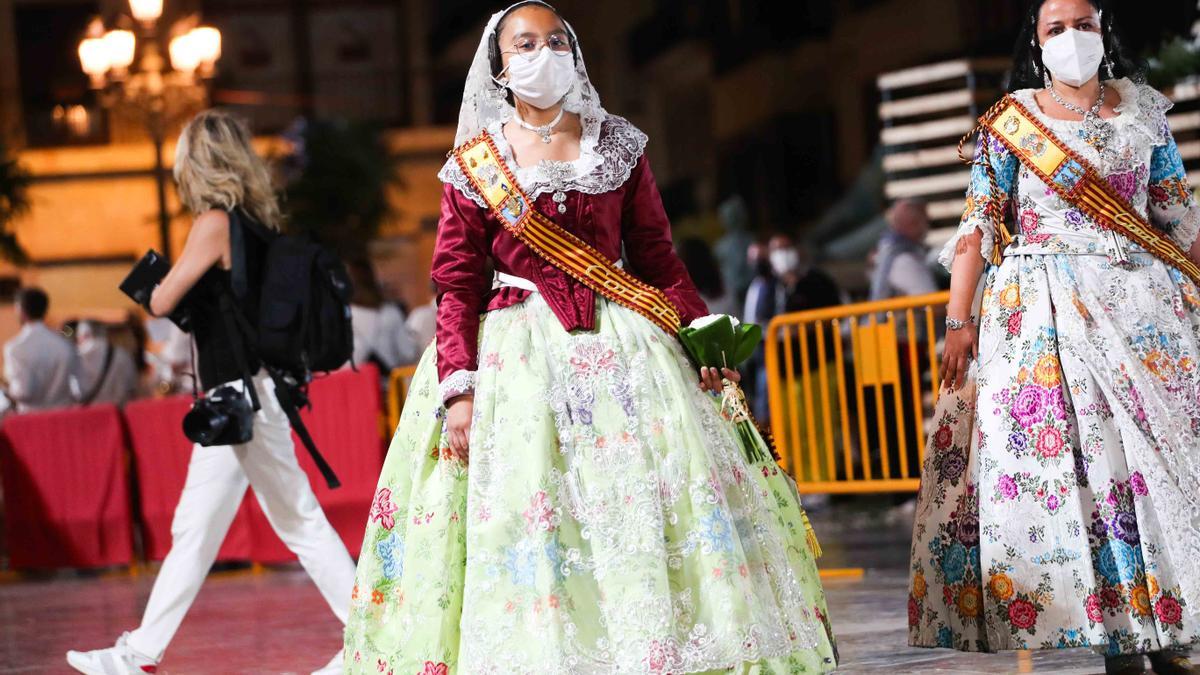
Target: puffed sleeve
<point>982,197</point>
<point>459,259</point>
<point>1172,204</point>
<point>646,232</point>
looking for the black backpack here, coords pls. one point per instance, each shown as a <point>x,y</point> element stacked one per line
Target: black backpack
<point>303,319</point>
<point>304,311</point>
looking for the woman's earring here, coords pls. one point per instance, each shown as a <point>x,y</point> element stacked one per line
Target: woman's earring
<point>1047,80</point>
<point>1108,66</point>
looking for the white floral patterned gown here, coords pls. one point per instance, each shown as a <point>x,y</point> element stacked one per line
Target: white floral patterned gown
<point>1058,502</point>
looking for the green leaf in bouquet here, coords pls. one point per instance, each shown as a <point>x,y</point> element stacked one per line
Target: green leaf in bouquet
<point>749,335</point>
<point>690,344</point>
<point>716,343</point>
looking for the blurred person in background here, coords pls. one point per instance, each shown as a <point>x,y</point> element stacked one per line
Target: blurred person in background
<point>40,364</point>
<point>422,320</point>
<point>758,308</point>
<point>107,372</point>
<point>900,267</point>
<point>170,357</point>
<point>731,249</point>
<point>901,270</point>
<point>800,286</point>
<point>702,268</point>
<point>381,333</point>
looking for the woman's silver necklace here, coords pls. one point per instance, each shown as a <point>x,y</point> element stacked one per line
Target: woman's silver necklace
<point>545,130</point>
<point>1096,132</point>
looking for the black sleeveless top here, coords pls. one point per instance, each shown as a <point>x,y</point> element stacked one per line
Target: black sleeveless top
<point>215,355</point>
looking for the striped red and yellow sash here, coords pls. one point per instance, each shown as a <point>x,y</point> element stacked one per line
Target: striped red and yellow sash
<point>1078,182</point>
<point>493,180</point>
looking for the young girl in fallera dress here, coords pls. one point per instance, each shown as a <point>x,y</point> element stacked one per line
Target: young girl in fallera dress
<point>561,495</point>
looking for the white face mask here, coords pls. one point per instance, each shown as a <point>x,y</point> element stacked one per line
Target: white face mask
<point>784,261</point>
<point>1073,56</point>
<point>541,81</point>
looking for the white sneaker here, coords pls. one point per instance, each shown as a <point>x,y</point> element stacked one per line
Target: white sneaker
<point>116,660</point>
<point>334,667</point>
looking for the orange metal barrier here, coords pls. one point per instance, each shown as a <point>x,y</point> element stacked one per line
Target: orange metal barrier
<point>830,370</point>
<point>398,382</point>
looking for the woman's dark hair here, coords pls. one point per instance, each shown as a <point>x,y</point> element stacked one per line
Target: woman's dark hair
<point>497,60</point>
<point>1028,71</point>
<point>702,267</point>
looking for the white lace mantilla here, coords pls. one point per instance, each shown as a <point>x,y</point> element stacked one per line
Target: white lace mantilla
<point>609,149</point>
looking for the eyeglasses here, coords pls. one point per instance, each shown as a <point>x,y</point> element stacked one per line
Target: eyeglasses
<point>529,46</point>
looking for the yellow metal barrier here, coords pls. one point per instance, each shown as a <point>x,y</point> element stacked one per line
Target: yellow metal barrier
<point>398,382</point>
<point>830,370</point>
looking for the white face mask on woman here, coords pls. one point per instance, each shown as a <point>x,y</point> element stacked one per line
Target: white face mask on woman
<point>784,261</point>
<point>541,81</point>
<point>1073,56</point>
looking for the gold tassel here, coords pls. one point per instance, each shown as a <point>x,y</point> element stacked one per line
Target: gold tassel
<point>1003,239</point>
<point>811,537</point>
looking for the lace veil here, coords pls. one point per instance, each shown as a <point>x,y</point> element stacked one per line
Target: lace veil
<point>484,101</point>
<point>604,163</point>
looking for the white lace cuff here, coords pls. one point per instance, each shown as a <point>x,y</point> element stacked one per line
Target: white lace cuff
<point>457,383</point>
<point>950,250</point>
<point>1188,229</point>
<point>452,174</point>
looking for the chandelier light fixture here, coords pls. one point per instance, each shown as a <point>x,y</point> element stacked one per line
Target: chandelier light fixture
<point>126,68</point>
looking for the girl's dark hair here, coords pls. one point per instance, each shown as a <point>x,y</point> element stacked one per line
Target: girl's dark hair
<point>494,56</point>
<point>702,267</point>
<point>1028,71</point>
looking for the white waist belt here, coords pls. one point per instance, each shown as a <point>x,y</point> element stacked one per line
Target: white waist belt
<point>522,283</point>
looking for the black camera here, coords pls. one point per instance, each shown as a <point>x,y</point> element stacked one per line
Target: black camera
<point>145,276</point>
<point>224,417</point>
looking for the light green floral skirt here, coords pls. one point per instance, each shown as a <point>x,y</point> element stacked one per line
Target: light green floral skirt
<point>608,521</point>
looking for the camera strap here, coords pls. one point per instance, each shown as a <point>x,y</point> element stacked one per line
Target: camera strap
<point>90,397</point>
<point>237,339</point>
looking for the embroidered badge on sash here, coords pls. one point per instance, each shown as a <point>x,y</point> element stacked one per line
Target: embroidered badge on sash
<point>481,163</point>
<point>1079,183</point>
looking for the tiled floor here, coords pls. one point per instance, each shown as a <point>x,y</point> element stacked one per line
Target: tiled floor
<point>276,622</point>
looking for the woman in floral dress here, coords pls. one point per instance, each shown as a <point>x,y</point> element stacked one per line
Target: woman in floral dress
<point>1058,507</point>
<point>608,520</point>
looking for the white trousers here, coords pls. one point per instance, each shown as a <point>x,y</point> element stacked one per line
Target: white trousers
<point>216,484</point>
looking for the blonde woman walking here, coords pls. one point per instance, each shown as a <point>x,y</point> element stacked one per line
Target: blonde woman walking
<point>218,173</point>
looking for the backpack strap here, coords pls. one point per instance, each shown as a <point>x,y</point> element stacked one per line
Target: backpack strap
<point>241,226</point>
<point>292,398</point>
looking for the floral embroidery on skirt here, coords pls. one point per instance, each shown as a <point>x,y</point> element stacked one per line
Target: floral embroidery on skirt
<point>608,522</point>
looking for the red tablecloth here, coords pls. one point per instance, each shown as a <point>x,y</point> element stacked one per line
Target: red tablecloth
<point>160,459</point>
<point>345,423</point>
<point>66,495</point>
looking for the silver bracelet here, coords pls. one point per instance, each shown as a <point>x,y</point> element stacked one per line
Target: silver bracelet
<point>956,324</point>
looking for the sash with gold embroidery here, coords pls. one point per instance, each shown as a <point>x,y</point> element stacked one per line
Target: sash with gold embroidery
<point>1074,180</point>
<point>493,180</point>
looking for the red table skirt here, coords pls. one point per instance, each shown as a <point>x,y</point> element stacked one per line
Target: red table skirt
<point>345,424</point>
<point>67,496</point>
<point>160,460</point>
<point>66,493</point>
